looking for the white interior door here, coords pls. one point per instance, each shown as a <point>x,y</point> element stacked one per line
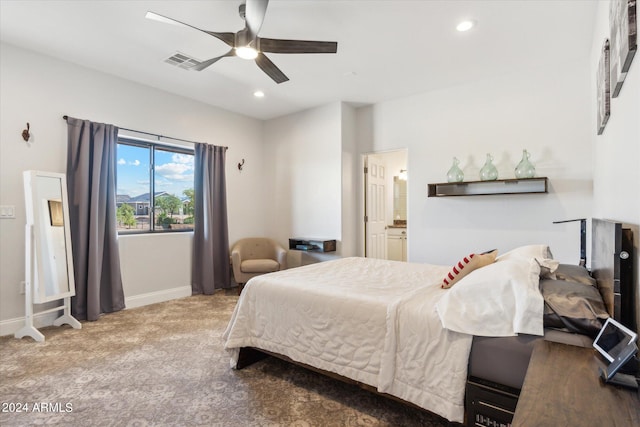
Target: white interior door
<point>375,208</point>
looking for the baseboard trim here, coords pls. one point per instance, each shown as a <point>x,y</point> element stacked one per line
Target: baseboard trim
<point>158,296</point>
<point>11,326</point>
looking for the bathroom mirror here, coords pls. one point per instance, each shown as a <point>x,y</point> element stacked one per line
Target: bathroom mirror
<point>399,199</point>
<point>48,257</point>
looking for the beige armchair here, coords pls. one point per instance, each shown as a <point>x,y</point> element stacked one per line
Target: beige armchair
<point>254,256</point>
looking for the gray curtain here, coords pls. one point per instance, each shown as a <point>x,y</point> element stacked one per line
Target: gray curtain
<point>91,183</point>
<point>210,269</point>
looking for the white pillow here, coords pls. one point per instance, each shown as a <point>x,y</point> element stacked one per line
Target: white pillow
<point>528,251</point>
<point>499,300</point>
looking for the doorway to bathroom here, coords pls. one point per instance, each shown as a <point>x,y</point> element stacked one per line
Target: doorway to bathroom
<point>385,205</point>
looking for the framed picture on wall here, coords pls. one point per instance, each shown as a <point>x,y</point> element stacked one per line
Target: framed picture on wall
<point>624,40</point>
<point>604,89</point>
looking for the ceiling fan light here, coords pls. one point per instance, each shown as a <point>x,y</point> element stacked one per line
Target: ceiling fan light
<point>246,52</point>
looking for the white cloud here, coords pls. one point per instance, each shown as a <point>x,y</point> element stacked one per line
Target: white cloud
<point>182,158</point>
<point>176,171</point>
<point>122,161</point>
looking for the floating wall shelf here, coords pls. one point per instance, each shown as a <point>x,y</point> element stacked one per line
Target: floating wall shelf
<point>309,244</point>
<point>482,188</point>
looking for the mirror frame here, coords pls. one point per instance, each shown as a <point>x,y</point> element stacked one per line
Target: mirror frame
<point>35,249</point>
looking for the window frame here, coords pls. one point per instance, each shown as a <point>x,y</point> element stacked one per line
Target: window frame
<point>152,146</point>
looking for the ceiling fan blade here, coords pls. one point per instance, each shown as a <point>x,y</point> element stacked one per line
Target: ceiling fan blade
<point>296,46</point>
<point>228,38</point>
<point>201,66</point>
<point>254,15</point>
<point>270,69</point>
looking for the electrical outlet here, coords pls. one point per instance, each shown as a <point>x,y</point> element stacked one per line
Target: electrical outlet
<point>7,211</point>
<point>22,288</point>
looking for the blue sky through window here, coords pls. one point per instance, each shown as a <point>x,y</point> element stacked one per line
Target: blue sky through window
<point>173,171</point>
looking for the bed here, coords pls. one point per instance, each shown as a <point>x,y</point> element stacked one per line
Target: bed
<point>391,328</point>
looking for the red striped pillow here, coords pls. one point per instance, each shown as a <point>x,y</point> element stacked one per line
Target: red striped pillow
<point>466,265</point>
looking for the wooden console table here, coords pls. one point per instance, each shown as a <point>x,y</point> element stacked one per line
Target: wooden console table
<point>562,388</point>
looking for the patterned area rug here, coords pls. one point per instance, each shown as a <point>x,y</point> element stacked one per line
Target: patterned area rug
<point>164,365</point>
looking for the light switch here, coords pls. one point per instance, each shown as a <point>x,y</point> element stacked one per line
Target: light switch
<point>7,211</point>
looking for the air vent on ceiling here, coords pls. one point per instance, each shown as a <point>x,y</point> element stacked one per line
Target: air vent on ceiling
<point>181,60</point>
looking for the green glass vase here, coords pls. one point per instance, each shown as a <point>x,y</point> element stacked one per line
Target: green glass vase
<point>525,169</point>
<point>455,174</point>
<point>488,171</point>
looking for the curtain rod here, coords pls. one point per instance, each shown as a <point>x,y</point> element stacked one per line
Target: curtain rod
<point>65,117</point>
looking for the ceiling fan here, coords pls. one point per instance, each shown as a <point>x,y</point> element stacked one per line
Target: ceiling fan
<point>248,45</point>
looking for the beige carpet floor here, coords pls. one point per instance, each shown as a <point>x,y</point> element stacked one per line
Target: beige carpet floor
<point>164,365</point>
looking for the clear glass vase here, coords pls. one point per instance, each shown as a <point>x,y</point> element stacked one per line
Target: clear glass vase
<point>525,169</point>
<point>488,171</point>
<point>455,174</point>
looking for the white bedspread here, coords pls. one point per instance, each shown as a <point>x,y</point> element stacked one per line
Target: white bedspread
<point>370,320</point>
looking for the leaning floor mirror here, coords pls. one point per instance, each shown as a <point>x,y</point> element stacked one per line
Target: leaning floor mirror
<point>48,256</point>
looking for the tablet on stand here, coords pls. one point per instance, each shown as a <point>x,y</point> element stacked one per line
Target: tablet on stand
<point>617,344</point>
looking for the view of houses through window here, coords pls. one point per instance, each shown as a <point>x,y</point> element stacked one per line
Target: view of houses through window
<point>145,169</point>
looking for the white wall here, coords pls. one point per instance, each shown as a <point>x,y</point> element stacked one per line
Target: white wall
<point>350,172</point>
<point>616,156</point>
<point>40,90</point>
<point>546,111</point>
<point>303,175</point>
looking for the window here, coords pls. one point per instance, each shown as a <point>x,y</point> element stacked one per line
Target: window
<point>154,187</point>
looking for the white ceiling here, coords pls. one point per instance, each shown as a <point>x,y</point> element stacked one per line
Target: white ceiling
<point>386,48</point>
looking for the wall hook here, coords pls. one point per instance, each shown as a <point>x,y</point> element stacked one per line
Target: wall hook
<point>240,165</point>
<point>25,133</point>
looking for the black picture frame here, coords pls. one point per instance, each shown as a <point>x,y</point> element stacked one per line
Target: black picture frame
<point>604,89</point>
<point>623,40</point>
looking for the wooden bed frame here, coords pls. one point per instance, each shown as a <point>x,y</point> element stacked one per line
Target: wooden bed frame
<point>612,269</point>
<point>251,355</point>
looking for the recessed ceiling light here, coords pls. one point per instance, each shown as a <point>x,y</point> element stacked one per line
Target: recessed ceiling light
<point>258,94</point>
<point>465,25</point>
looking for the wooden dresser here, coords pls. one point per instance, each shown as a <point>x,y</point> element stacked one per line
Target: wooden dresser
<point>562,388</point>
